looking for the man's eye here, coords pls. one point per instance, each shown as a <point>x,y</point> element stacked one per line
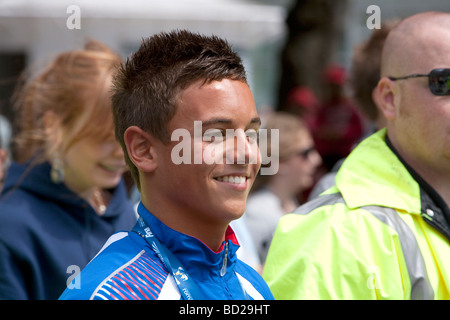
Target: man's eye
<point>252,135</point>
<point>213,135</point>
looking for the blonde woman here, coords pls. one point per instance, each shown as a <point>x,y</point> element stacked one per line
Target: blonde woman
<point>63,194</point>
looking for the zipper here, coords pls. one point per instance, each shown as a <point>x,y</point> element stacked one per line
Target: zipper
<point>223,271</point>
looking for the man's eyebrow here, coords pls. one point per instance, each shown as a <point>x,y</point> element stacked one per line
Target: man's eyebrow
<point>214,121</point>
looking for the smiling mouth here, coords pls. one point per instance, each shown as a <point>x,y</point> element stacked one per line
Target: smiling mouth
<point>232,179</point>
<point>112,169</point>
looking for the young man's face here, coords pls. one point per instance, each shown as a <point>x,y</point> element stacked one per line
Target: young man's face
<point>205,192</point>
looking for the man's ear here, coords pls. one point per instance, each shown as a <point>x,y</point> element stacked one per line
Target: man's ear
<point>385,96</point>
<point>140,149</point>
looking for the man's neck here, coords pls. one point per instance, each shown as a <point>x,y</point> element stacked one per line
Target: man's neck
<point>429,179</point>
<point>211,234</point>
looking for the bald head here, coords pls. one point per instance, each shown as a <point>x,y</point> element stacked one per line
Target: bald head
<point>411,45</point>
<point>418,121</point>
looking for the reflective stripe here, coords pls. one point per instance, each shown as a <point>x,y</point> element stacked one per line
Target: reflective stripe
<point>420,285</point>
<point>327,199</point>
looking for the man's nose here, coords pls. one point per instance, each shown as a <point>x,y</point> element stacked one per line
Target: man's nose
<point>242,150</point>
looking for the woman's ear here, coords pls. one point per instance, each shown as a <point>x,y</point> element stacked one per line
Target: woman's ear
<point>385,97</point>
<point>140,149</point>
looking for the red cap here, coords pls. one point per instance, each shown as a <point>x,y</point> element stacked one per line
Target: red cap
<point>335,74</point>
<point>304,97</point>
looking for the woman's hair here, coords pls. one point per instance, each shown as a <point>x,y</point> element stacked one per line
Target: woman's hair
<point>147,85</point>
<point>75,88</point>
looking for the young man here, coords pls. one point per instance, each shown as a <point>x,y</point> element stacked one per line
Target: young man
<point>175,103</point>
<point>383,232</point>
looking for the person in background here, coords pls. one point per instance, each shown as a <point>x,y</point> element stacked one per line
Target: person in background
<point>275,195</point>
<point>174,101</point>
<point>303,102</point>
<point>339,123</point>
<point>383,231</point>
<point>364,76</point>
<point>63,194</point>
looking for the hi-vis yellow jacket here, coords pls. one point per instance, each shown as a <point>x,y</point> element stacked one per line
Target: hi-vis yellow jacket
<point>378,234</point>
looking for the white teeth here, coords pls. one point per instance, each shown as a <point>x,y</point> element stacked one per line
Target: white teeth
<point>233,179</point>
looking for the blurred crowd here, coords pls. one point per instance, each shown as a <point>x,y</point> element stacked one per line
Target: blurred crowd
<point>63,129</point>
<point>65,186</point>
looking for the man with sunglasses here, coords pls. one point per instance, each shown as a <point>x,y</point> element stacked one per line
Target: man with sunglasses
<point>383,231</point>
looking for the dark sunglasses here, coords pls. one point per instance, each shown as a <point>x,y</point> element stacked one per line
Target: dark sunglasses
<point>438,80</point>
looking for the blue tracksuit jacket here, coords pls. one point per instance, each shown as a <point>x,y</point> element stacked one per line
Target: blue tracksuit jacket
<point>128,269</point>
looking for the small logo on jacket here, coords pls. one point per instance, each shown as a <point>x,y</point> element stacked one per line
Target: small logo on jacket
<point>180,272</point>
<point>148,232</point>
